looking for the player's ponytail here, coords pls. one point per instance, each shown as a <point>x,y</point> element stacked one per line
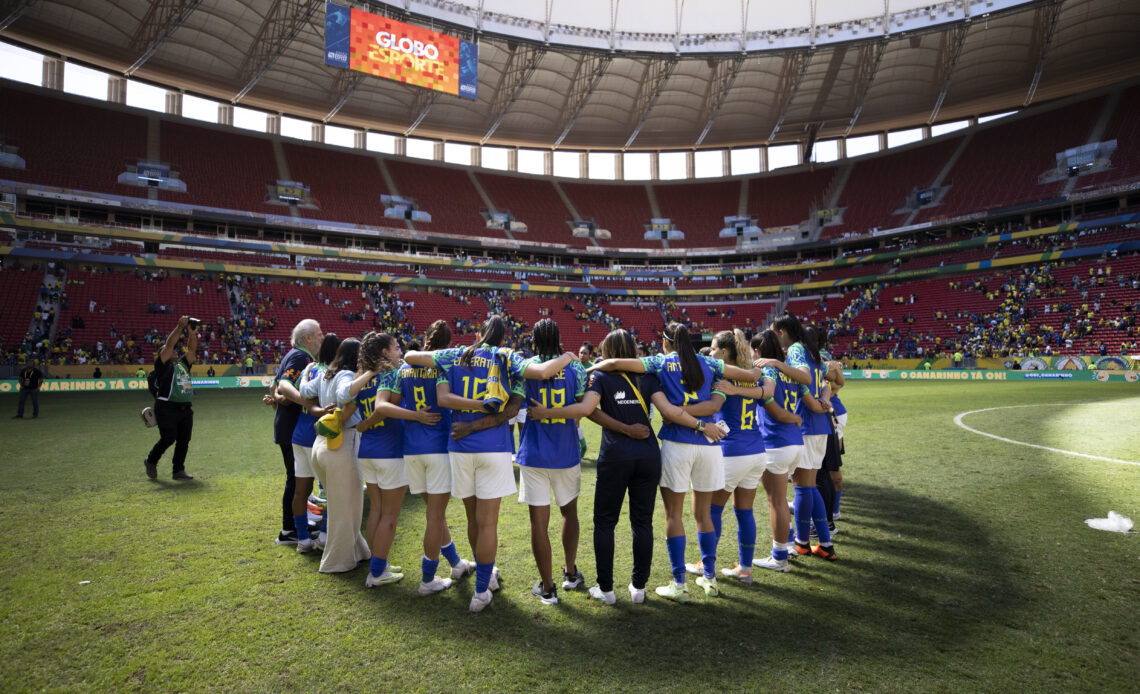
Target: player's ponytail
<point>547,342</point>
<point>811,343</point>
<point>438,336</point>
<point>692,375</point>
<point>790,325</point>
<point>491,333</point>
<point>345,359</point>
<point>767,344</point>
<point>329,345</point>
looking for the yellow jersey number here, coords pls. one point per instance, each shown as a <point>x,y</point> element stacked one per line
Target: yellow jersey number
<point>553,398</point>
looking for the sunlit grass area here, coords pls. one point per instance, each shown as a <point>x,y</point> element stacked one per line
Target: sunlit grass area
<point>964,565</point>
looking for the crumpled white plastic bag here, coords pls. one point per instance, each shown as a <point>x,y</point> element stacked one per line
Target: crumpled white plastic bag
<point>1115,523</point>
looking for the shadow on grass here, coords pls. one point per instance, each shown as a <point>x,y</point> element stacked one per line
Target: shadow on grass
<point>913,575</point>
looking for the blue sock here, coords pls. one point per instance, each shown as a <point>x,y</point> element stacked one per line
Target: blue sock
<point>483,576</point>
<point>838,496</point>
<point>792,532</point>
<point>717,518</point>
<point>745,535</point>
<point>676,547</point>
<point>803,505</point>
<point>819,518</point>
<point>779,551</point>
<point>377,566</point>
<point>301,523</point>
<point>428,567</point>
<point>707,543</point>
<point>450,554</point>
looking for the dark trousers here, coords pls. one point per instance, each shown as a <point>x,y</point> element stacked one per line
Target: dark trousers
<point>24,395</point>
<point>615,478</point>
<point>831,461</point>
<point>287,523</point>
<point>175,425</point>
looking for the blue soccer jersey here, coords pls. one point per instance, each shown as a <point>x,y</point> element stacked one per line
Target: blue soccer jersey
<point>385,438</point>
<point>814,423</point>
<point>304,434</point>
<point>787,395</point>
<point>553,443</point>
<point>470,381</point>
<point>744,436</point>
<point>417,385</point>
<point>667,368</point>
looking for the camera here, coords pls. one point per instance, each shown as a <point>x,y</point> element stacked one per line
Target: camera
<point>193,322</point>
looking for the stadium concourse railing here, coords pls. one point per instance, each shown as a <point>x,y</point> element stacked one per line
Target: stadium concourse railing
<point>31,224</point>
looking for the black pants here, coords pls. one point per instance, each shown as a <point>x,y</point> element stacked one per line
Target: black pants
<point>831,461</point>
<point>287,523</point>
<point>24,395</point>
<point>175,425</point>
<point>640,478</point>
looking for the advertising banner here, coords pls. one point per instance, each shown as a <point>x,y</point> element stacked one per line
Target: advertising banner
<point>383,47</point>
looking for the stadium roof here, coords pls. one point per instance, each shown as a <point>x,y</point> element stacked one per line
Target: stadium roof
<point>610,74</point>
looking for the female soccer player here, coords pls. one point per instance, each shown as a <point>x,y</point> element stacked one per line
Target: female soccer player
<point>481,472</point>
<point>743,451</point>
<point>784,444</point>
<point>345,546</point>
<point>304,436</point>
<point>688,457</point>
<point>803,356</point>
<point>629,460</point>
<point>427,465</point>
<point>835,379</point>
<point>381,452</point>
<point>549,460</point>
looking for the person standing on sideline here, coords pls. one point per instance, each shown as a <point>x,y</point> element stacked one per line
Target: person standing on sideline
<point>306,343</point>
<point>172,403</point>
<point>31,378</point>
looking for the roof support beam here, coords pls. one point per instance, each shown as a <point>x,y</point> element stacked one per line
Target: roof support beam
<point>952,42</point>
<point>870,56</point>
<point>657,73</point>
<point>17,10</point>
<point>285,20</point>
<point>161,21</point>
<point>591,68</point>
<point>791,77</point>
<point>1044,28</point>
<point>723,77</point>
<point>425,99</point>
<point>346,83</point>
<point>521,65</point>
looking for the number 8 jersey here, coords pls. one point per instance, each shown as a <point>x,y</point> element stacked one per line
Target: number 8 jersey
<point>552,443</point>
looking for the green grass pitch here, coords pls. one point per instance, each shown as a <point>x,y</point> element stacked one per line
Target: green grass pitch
<point>964,565</point>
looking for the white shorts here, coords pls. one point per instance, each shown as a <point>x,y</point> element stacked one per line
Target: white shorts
<point>482,475</point>
<point>428,472</point>
<point>815,448</point>
<point>743,471</point>
<point>537,483</point>
<point>841,420</point>
<point>781,461</point>
<point>519,418</point>
<point>386,473</point>
<point>303,461</point>
<point>685,464</point>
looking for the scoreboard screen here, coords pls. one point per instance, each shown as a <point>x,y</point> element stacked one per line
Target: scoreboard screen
<point>402,52</point>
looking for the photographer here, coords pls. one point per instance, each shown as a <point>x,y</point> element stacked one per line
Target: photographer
<point>174,394</point>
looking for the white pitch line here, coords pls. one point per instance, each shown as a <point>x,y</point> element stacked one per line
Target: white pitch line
<point>958,421</point>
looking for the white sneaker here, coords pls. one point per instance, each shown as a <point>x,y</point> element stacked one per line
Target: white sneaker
<point>479,601</point>
<point>835,516</point>
<point>770,562</point>
<point>321,539</point>
<point>740,573</point>
<point>435,585</point>
<point>463,568</point>
<point>493,585</point>
<point>382,580</point>
<point>636,594</point>
<point>607,597</point>
<point>697,569</point>
<point>305,546</point>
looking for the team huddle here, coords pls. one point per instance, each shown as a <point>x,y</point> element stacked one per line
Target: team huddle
<point>438,422</point>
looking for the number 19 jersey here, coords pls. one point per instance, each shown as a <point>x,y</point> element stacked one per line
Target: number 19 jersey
<point>552,443</point>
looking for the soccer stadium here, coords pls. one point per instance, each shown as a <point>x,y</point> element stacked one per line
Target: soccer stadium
<point>387,280</point>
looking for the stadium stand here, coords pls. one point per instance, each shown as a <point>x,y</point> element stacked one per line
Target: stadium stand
<point>622,209</point>
<point>699,209</point>
<point>207,160</point>
<point>446,193</point>
<point>20,287</point>
<point>536,203</point>
<point>346,187</point>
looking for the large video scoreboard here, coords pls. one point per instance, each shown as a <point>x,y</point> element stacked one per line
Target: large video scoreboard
<point>402,52</point>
